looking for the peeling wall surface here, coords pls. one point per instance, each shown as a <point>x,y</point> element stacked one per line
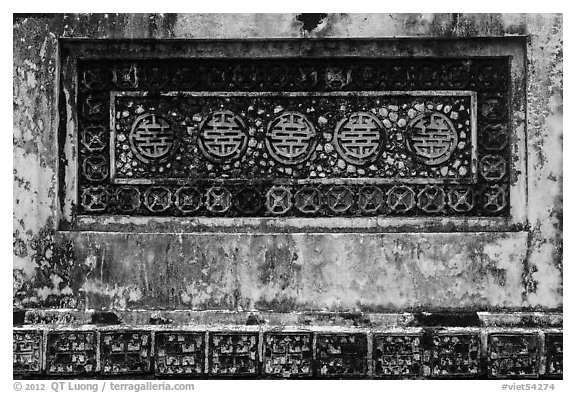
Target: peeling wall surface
<point>126,265</point>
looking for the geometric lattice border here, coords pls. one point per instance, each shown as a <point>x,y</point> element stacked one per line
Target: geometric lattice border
<point>314,354</point>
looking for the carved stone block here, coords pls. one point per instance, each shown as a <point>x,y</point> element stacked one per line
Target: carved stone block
<point>126,352</point>
<point>179,353</point>
<point>554,344</point>
<point>288,354</point>
<point>341,355</point>
<point>233,354</point>
<point>26,351</point>
<point>456,355</point>
<point>71,353</point>
<point>513,355</point>
<point>397,355</point>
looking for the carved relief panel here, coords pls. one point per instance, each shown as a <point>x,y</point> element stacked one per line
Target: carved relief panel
<point>288,137</point>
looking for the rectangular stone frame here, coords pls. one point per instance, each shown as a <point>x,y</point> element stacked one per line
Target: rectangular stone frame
<point>73,49</point>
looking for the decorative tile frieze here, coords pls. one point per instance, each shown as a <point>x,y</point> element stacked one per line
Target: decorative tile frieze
<point>341,355</point>
<point>288,354</point>
<point>326,138</point>
<point>513,355</point>
<point>26,351</point>
<point>179,353</point>
<point>71,353</point>
<point>127,352</point>
<point>437,353</point>
<point>233,354</point>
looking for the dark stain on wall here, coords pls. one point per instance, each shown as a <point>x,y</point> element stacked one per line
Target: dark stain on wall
<point>447,319</point>
<point>310,21</point>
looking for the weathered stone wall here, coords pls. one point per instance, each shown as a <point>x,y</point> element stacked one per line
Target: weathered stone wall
<point>282,272</point>
<point>119,285</point>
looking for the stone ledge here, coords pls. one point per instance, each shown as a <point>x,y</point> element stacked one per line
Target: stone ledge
<point>261,351</point>
<point>71,317</point>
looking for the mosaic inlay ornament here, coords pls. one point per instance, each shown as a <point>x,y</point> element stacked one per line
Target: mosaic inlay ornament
<point>432,138</point>
<point>152,138</point>
<point>291,138</point>
<point>222,136</point>
<point>359,138</point>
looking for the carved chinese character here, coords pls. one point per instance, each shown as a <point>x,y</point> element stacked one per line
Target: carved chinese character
<point>432,138</point>
<point>153,138</point>
<point>359,138</point>
<point>223,136</point>
<point>291,138</point>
